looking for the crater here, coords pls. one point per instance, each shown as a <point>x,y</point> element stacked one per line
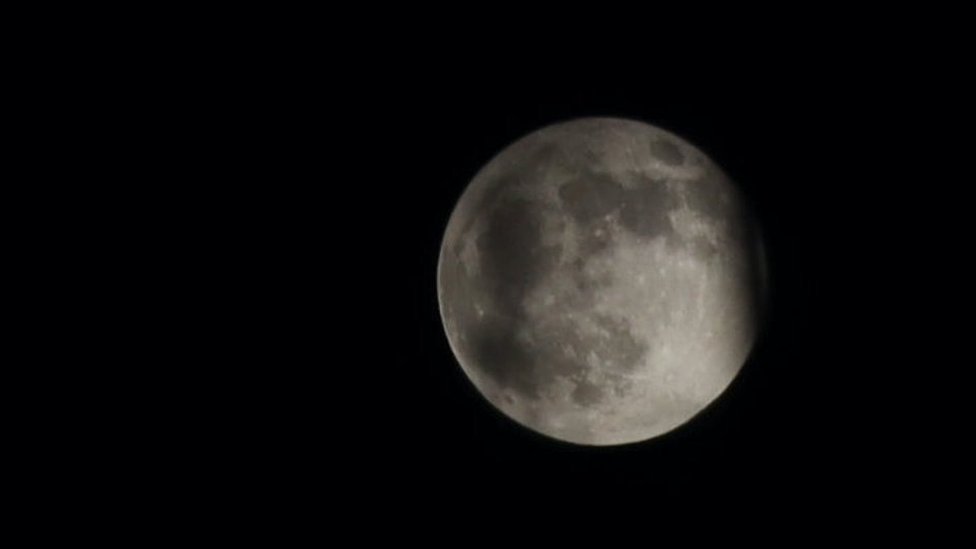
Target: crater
<point>645,210</point>
<point>618,348</point>
<point>591,196</point>
<point>701,247</point>
<point>667,152</point>
<point>596,237</point>
<point>587,393</point>
<point>710,195</point>
<point>543,158</point>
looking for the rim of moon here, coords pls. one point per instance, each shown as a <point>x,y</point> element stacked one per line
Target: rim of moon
<point>600,281</point>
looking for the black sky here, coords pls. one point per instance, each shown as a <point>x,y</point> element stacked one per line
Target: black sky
<point>358,163</point>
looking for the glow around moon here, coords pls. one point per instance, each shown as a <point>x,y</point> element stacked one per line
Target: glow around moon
<point>599,281</point>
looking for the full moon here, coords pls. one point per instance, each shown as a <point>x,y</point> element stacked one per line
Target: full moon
<point>600,281</point>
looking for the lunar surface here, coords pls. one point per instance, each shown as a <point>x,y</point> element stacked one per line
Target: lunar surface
<point>600,281</point>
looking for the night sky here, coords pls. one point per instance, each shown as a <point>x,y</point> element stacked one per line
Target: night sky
<point>348,386</point>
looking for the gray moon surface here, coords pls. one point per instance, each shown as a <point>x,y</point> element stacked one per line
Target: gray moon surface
<point>600,281</point>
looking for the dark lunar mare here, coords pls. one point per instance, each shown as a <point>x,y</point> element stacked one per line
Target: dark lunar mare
<point>513,261</point>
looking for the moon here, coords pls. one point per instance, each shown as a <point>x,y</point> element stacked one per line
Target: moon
<point>600,281</point>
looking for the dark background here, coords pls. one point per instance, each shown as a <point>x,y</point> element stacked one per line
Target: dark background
<point>818,409</point>
<point>244,211</point>
<point>342,387</point>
